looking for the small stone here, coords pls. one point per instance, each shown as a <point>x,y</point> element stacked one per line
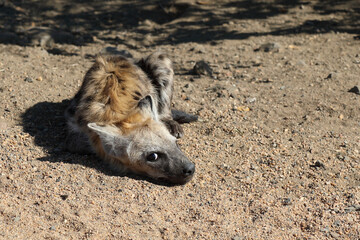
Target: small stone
<point>202,68</point>
<point>28,79</point>
<point>52,228</point>
<point>242,109</point>
<point>329,76</point>
<point>39,79</point>
<point>250,100</point>
<point>340,156</point>
<point>318,164</point>
<point>64,196</point>
<point>269,47</point>
<point>335,235</point>
<point>41,37</point>
<point>286,201</point>
<point>355,90</point>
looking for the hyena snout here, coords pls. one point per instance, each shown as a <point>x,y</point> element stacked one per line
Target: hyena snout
<point>188,169</point>
<point>183,173</point>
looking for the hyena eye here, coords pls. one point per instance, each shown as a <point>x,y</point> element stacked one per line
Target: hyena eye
<point>152,157</point>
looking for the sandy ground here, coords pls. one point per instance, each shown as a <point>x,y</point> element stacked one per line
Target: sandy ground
<point>276,148</point>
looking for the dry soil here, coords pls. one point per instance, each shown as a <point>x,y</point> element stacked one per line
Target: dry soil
<point>276,147</point>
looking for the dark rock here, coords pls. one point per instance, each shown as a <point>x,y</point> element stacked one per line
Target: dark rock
<point>333,76</point>
<point>64,196</point>
<point>318,164</point>
<point>28,79</point>
<point>41,37</point>
<point>269,47</point>
<point>355,90</point>
<point>202,68</point>
<point>329,76</point>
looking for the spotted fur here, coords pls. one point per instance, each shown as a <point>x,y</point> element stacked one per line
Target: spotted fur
<point>122,113</point>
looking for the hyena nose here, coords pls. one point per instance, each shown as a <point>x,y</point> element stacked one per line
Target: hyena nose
<point>189,169</point>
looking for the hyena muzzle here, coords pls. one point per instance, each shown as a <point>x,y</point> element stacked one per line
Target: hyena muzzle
<point>122,112</point>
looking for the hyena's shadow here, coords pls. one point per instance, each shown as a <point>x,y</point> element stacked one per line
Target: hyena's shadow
<point>45,121</point>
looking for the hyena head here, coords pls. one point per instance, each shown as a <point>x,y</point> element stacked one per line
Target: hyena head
<point>144,145</point>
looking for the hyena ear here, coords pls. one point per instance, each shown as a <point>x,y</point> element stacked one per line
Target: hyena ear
<point>147,106</point>
<point>113,143</point>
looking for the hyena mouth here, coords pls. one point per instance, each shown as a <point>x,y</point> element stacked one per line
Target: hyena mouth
<point>176,180</point>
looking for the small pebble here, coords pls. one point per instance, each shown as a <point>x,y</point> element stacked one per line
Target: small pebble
<point>39,79</point>
<point>329,76</point>
<point>269,47</point>
<point>202,68</point>
<point>355,90</point>
<point>250,100</point>
<point>28,79</point>
<point>335,235</point>
<point>286,201</point>
<point>318,164</point>
<point>64,196</point>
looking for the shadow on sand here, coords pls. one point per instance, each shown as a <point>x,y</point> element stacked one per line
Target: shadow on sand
<point>80,22</point>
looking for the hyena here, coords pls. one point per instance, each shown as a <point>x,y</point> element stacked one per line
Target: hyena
<point>122,113</point>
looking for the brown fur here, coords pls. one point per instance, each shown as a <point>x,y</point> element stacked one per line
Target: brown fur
<point>123,103</point>
<point>112,82</point>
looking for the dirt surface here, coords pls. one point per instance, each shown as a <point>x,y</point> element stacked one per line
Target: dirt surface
<point>276,148</point>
